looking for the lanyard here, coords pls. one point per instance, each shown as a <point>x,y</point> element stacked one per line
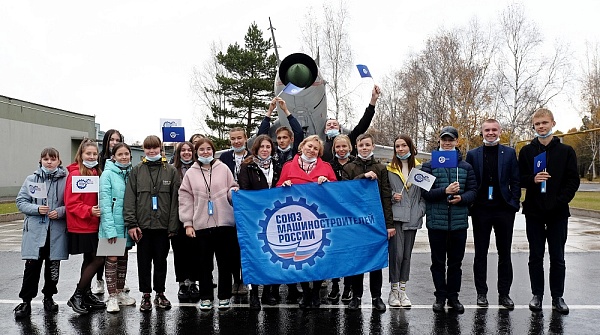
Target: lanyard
<point>155,180</point>
<point>209,180</point>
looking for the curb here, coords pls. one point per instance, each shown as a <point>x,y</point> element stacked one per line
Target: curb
<point>11,217</point>
<point>585,212</point>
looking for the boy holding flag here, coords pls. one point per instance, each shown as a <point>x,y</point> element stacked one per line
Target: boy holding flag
<point>447,202</point>
<point>551,183</point>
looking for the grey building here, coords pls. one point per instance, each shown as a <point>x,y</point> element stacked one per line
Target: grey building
<point>26,128</point>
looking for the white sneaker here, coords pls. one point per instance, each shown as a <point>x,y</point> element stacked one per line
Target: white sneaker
<point>113,304</point>
<point>404,299</point>
<point>124,299</point>
<point>394,298</point>
<point>126,288</point>
<point>224,304</point>
<point>206,305</point>
<point>98,288</point>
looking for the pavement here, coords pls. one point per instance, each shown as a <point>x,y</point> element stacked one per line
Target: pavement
<point>581,293</point>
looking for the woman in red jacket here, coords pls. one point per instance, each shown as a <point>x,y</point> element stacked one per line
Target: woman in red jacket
<point>307,167</point>
<point>82,224</point>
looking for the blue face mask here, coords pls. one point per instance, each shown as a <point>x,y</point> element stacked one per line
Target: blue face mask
<point>238,150</point>
<point>308,160</point>
<point>331,133</point>
<point>123,166</point>
<point>365,158</point>
<point>344,157</point>
<point>403,157</point>
<point>89,164</point>
<point>205,160</point>
<point>48,171</point>
<point>452,149</point>
<point>187,162</point>
<point>545,136</point>
<point>153,158</point>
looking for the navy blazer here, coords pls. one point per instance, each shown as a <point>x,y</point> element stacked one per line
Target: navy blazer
<point>508,170</point>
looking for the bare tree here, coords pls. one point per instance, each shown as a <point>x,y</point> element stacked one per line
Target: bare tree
<point>330,41</point>
<point>590,96</point>
<point>527,78</point>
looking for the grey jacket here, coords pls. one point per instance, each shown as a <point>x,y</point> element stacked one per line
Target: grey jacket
<point>411,209</point>
<point>37,227</point>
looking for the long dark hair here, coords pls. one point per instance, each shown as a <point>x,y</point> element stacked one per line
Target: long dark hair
<point>396,162</point>
<point>177,163</point>
<point>106,153</point>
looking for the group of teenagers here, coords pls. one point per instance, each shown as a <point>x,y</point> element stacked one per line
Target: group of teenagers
<point>186,204</point>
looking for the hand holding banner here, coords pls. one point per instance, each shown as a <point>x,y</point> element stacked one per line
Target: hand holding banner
<point>37,190</point>
<point>539,163</point>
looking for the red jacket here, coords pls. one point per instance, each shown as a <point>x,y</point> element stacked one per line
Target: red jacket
<point>292,171</point>
<point>79,206</point>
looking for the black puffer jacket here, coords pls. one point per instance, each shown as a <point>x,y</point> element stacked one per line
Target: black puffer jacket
<point>251,177</point>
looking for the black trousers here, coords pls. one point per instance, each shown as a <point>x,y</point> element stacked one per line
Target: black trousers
<point>31,275</point>
<point>539,230</point>
<point>152,249</point>
<point>209,243</point>
<point>182,255</point>
<point>502,222</point>
<point>447,246</point>
<point>375,283</point>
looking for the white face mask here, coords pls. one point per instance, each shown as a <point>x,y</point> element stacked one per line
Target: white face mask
<point>403,157</point>
<point>331,133</point>
<point>343,157</point>
<point>452,149</point>
<point>488,143</point>
<point>205,160</point>
<point>309,160</point>
<point>365,158</point>
<point>153,158</point>
<point>89,164</point>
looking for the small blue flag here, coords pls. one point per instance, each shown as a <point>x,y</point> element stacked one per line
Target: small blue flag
<point>173,134</point>
<point>444,159</point>
<point>292,89</point>
<point>363,70</point>
<point>539,163</point>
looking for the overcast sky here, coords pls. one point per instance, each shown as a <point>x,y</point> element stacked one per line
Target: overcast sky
<point>129,63</point>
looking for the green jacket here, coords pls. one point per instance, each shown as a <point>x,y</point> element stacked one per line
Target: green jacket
<point>357,169</point>
<point>146,180</point>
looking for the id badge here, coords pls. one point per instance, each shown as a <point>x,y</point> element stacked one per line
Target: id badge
<point>210,207</point>
<point>543,190</point>
<point>491,193</point>
<point>154,203</point>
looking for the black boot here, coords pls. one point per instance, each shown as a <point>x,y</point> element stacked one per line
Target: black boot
<point>275,292</point>
<point>92,302</point>
<point>306,300</point>
<point>254,300</point>
<point>293,294</point>
<point>22,310</point>
<point>76,302</point>
<point>267,298</point>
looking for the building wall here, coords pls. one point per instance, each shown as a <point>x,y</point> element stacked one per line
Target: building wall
<point>27,128</point>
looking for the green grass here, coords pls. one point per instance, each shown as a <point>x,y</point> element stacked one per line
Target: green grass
<point>586,200</point>
<point>8,208</point>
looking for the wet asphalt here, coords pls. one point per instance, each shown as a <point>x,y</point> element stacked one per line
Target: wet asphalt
<point>582,293</point>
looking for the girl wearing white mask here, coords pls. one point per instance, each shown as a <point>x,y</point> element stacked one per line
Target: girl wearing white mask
<point>207,215</point>
<point>83,220</point>
<point>45,226</point>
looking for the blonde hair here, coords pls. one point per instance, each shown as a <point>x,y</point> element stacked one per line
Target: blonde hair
<point>341,137</point>
<point>541,112</point>
<point>312,138</point>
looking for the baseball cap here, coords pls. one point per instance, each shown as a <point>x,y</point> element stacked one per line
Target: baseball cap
<point>449,131</point>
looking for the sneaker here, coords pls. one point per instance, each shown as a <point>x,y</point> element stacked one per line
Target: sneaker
<point>234,288</point>
<point>126,288</point>
<point>98,288</point>
<point>161,301</point>
<point>146,304</point>
<point>124,299</point>
<point>334,295</point>
<point>347,294</point>
<point>482,300</point>
<point>404,301</point>
<point>183,295</point>
<point>112,306</point>
<point>206,305</point>
<point>394,298</point>
<point>224,304</point>
<point>50,305</point>
<point>22,310</point>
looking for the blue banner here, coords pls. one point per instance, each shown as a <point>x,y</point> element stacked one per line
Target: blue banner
<point>444,159</point>
<point>173,134</point>
<point>539,163</point>
<point>310,232</point>
<point>363,70</point>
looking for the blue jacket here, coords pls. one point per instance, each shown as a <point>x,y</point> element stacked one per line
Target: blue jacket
<point>37,227</point>
<point>440,214</point>
<point>508,173</point>
<point>112,194</point>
